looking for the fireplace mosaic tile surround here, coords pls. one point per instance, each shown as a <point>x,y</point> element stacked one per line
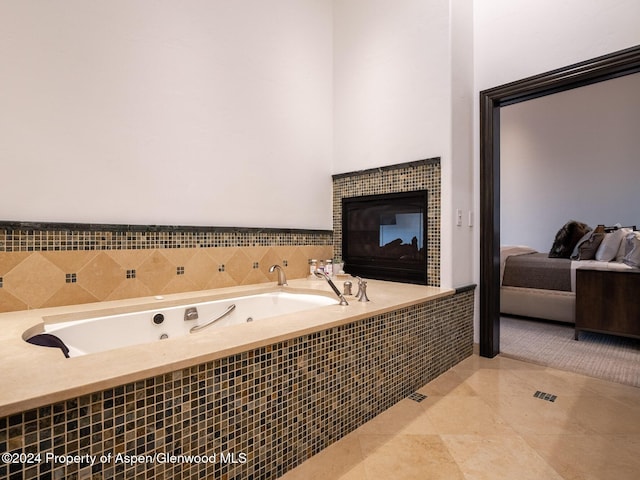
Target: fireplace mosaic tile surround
<point>261,412</point>
<point>405,177</point>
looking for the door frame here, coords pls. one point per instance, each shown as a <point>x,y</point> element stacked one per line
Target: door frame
<point>607,67</point>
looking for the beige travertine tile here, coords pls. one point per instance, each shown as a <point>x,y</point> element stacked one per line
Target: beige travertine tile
<point>491,382</point>
<point>179,284</point>
<point>254,276</point>
<point>506,433</point>
<point>130,288</point>
<point>464,415</point>
<point>408,457</point>
<point>449,383</point>
<point>606,415</point>
<point>202,268</point>
<point>70,294</point>
<point>101,276</point>
<point>70,261</point>
<point>498,457</point>
<point>8,260</point>
<point>179,257</point>
<point>270,257</point>
<point>590,457</point>
<point>238,266</point>
<point>9,303</point>
<point>129,259</point>
<point>298,264</point>
<point>339,461</point>
<point>555,382</point>
<point>34,280</point>
<point>405,418</point>
<point>220,280</point>
<point>598,386</point>
<point>530,415</point>
<point>155,272</point>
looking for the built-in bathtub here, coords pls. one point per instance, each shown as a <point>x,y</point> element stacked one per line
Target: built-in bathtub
<point>257,398</point>
<point>107,332</point>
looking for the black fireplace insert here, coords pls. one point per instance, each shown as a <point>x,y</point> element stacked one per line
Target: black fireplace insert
<point>385,236</point>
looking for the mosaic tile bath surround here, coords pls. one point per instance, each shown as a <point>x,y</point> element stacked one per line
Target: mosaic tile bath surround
<point>254,415</point>
<point>406,177</point>
<point>54,266</point>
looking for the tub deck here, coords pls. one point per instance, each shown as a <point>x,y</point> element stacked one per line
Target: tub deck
<point>40,376</point>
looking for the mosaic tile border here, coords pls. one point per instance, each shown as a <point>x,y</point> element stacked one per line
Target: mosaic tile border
<point>30,237</point>
<point>267,409</point>
<point>404,177</point>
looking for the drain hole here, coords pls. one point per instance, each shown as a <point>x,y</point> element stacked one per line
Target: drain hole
<point>417,397</point>
<point>545,396</point>
<point>249,319</point>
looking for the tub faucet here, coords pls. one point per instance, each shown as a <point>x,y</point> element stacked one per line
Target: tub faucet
<point>362,290</point>
<point>282,278</point>
<point>321,274</point>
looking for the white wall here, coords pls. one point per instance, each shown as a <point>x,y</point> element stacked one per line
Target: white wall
<point>402,81</point>
<point>572,155</point>
<point>159,112</point>
<point>391,82</point>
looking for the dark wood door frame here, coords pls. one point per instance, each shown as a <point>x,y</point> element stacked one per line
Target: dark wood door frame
<point>617,64</point>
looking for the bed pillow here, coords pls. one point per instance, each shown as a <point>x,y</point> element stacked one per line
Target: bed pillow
<point>622,251</point>
<point>632,257</point>
<point>587,246</point>
<point>610,245</point>
<point>567,238</point>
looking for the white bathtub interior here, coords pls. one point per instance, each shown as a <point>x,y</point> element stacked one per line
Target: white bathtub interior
<point>97,334</point>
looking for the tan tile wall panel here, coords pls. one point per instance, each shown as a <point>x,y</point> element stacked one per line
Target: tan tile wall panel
<point>40,279</point>
<point>278,405</point>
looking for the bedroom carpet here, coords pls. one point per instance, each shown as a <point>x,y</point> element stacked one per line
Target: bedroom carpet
<point>551,344</point>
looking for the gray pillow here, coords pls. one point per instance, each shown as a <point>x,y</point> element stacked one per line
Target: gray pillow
<point>587,246</point>
<point>632,256</point>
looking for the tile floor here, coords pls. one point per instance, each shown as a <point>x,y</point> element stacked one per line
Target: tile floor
<point>481,420</point>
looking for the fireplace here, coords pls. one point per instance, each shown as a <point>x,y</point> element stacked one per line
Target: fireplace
<point>385,236</point>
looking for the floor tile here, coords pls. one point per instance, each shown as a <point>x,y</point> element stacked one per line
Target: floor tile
<point>493,457</point>
<point>408,457</point>
<point>481,420</point>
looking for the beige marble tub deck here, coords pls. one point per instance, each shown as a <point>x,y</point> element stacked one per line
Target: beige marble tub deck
<point>33,376</point>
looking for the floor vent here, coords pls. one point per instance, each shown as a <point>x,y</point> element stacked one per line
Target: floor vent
<point>417,397</point>
<point>545,396</point>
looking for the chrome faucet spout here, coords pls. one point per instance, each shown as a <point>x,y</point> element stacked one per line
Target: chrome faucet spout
<point>282,278</point>
<point>321,274</point>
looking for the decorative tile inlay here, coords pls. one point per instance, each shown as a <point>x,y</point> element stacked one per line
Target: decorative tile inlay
<point>417,397</point>
<point>254,415</point>
<point>545,396</point>
<point>26,237</point>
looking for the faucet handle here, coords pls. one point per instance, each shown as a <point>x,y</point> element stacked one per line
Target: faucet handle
<point>363,292</point>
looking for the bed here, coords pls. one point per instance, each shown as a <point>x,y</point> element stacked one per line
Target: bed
<point>543,285</point>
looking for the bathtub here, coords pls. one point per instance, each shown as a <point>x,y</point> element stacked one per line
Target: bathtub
<point>101,333</point>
